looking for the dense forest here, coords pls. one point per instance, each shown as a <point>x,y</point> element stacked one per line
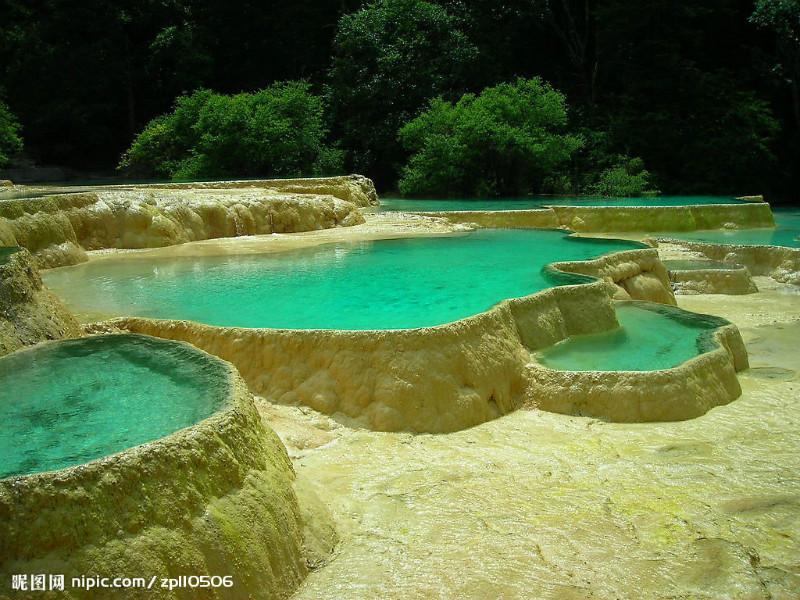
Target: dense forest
<point>474,97</point>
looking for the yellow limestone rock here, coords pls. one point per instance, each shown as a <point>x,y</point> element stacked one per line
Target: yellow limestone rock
<point>779,262</point>
<point>217,498</point>
<point>57,229</point>
<point>29,312</point>
<point>433,379</point>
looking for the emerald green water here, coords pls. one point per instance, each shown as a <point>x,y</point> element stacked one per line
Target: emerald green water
<point>785,233</point>
<point>651,337</point>
<point>66,403</point>
<point>389,284</point>
<point>698,265</point>
<point>438,204</point>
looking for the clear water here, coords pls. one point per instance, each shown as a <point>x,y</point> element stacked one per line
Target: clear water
<point>414,205</point>
<point>6,251</point>
<point>389,284</point>
<point>66,403</point>
<point>699,264</point>
<point>786,232</point>
<point>650,338</point>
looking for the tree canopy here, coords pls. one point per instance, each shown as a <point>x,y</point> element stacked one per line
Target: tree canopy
<point>278,131</point>
<point>503,141</point>
<point>706,93</point>
<point>10,140</point>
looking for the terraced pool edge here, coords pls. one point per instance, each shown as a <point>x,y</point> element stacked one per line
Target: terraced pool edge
<point>600,219</point>
<point>683,392</point>
<point>734,280</point>
<point>181,503</point>
<point>782,263</point>
<point>435,379</point>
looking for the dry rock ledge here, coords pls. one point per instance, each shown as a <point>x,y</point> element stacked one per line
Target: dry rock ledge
<point>59,228</point>
<point>457,375</point>
<point>218,497</point>
<point>779,262</point>
<point>734,281</point>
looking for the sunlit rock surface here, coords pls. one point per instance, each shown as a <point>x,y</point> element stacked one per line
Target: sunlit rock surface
<point>539,505</point>
<point>779,262</point>
<point>57,229</point>
<point>709,277</point>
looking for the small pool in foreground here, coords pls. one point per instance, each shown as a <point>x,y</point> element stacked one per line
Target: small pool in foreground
<point>433,204</point>
<point>389,284</point>
<point>67,403</point>
<point>651,337</point>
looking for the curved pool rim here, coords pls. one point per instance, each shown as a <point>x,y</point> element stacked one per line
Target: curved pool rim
<point>685,391</point>
<point>707,339</point>
<point>227,405</point>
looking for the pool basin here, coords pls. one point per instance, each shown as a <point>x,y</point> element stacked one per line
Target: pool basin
<point>699,264</point>
<point>664,364</point>
<point>599,215</point>
<point>75,401</point>
<point>388,284</point>
<point>774,252</point>
<point>214,495</point>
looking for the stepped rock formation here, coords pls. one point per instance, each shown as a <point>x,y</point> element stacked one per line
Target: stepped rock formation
<point>58,229</point>
<point>217,498</point>
<point>29,313</point>
<point>448,377</point>
<point>605,219</point>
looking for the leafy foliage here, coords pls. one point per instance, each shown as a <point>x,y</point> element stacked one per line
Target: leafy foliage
<point>627,178</point>
<point>706,92</point>
<point>389,59</point>
<point>277,131</point>
<point>503,141</point>
<point>10,140</point>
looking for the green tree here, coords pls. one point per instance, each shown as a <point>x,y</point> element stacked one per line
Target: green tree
<point>278,131</point>
<point>503,141</point>
<point>389,59</point>
<point>627,177</point>
<point>10,140</point>
<point>783,18</point>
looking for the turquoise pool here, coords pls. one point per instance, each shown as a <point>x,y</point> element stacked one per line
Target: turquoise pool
<point>413,205</point>
<point>785,233</point>
<point>650,337</point>
<point>66,403</point>
<point>389,284</point>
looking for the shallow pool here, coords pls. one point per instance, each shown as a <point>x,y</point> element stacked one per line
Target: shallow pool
<point>650,337</point>
<point>389,284</point>
<point>66,403</point>
<point>786,232</point>
<point>418,205</point>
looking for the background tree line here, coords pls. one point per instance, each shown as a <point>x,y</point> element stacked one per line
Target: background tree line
<point>704,94</point>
